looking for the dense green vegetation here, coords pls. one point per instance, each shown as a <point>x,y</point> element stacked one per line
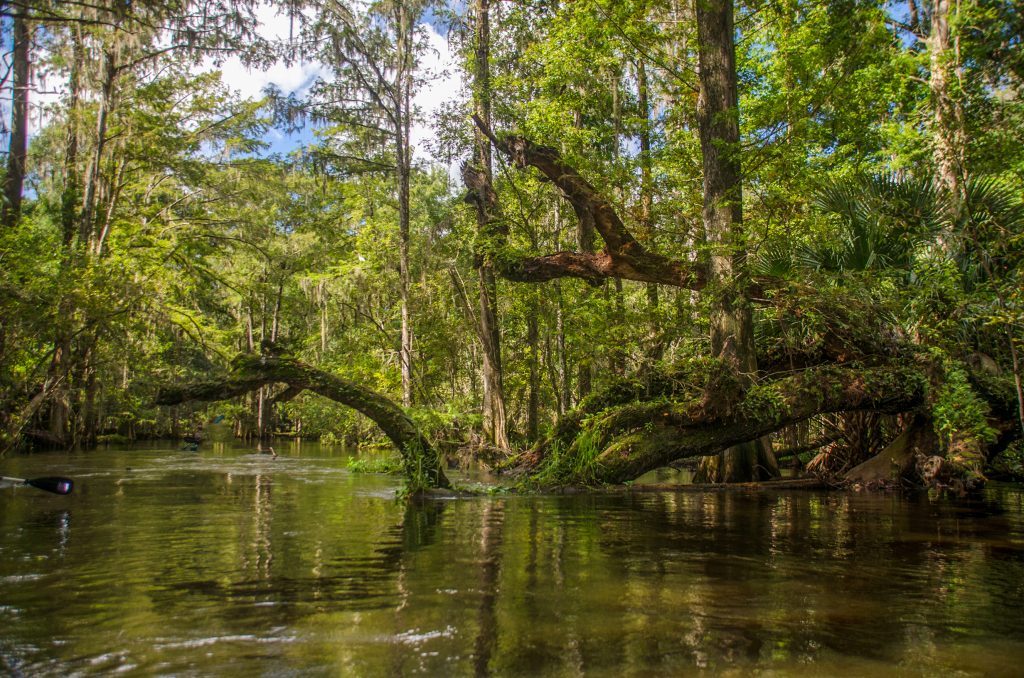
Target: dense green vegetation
<point>745,232</point>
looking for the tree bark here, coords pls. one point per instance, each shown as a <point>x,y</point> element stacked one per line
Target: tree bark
<point>896,460</point>
<point>71,188</point>
<point>732,334</point>
<point>403,114</point>
<point>948,133</point>
<point>86,226</point>
<point>624,437</point>
<point>622,257</point>
<point>495,424</point>
<point>533,344</point>
<point>14,183</point>
<point>494,419</point>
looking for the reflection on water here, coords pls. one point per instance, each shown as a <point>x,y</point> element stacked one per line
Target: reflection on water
<point>230,562</point>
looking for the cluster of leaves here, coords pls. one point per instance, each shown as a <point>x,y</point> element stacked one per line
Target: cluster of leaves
<point>957,410</point>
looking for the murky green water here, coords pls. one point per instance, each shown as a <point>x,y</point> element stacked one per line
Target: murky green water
<point>231,563</point>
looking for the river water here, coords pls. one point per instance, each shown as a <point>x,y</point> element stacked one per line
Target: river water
<point>226,562</point>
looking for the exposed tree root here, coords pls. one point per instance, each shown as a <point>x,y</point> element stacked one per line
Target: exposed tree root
<point>897,460</point>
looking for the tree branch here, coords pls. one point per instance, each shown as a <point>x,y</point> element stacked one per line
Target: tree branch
<point>623,256</point>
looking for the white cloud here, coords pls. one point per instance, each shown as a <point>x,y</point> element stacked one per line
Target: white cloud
<point>444,82</point>
<point>297,78</point>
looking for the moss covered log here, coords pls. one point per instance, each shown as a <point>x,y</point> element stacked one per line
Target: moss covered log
<point>249,372</point>
<point>952,427</point>
<point>622,441</point>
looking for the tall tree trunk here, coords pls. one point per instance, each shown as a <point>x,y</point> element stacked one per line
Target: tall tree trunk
<point>618,354</point>
<point>275,324</point>
<point>732,335</point>
<point>261,414</point>
<point>647,204</point>
<point>112,201</point>
<point>948,133</point>
<point>10,211</point>
<point>564,387</point>
<point>90,411</point>
<point>586,235</point>
<point>323,320</point>
<point>533,344</point>
<point>495,425</point>
<point>86,227</point>
<point>265,409</point>
<point>494,421</point>
<point>70,192</point>
<point>403,90</point>
<point>82,398</point>
<point>59,400</point>
<point>58,372</point>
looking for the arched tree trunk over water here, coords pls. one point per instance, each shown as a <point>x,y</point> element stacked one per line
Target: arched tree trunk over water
<point>421,461</point>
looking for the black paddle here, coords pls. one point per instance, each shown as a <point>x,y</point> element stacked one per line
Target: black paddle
<point>48,484</point>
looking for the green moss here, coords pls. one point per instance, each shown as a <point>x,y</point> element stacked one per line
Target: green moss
<point>765,398</point>
<point>421,473</point>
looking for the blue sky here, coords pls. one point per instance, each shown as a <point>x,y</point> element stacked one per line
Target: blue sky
<point>297,79</point>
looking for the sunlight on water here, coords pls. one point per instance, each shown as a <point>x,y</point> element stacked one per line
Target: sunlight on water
<point>229,562</point>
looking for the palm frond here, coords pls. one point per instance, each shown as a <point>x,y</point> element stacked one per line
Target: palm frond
<point>884,219</point>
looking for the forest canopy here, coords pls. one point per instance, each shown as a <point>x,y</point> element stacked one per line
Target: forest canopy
<point>638,232</point>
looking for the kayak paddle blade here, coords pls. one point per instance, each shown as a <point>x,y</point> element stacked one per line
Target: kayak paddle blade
<point>52,484</point>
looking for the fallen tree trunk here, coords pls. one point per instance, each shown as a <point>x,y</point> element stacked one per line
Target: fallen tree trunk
<point>420,459</point>
<point>638,425</point>
<point>623,441</point>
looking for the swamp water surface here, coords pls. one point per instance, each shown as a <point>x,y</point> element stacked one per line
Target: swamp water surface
<point>229,563</point>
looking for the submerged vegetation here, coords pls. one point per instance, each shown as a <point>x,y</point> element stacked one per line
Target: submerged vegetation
<point>804,245</point>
